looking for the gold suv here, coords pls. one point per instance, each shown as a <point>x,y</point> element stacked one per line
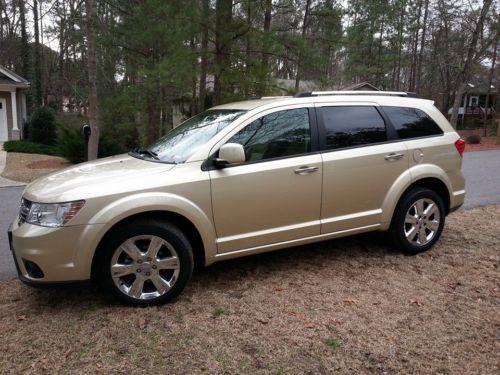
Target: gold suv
<point>240,179</point>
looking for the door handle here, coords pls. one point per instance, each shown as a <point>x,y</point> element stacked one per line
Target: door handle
<point>305,170</point>
<point>393,156</point>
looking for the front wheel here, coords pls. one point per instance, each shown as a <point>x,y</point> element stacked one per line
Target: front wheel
<point>418,221</point>
<point>146,263</point>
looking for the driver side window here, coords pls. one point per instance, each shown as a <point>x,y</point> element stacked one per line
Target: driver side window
<point>279,134</point>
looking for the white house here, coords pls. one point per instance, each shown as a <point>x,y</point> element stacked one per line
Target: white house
<point>12,104</point>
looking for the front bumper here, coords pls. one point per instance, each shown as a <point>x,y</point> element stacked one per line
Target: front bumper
<point>63,254</point>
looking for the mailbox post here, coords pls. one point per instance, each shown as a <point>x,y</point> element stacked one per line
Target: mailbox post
<point>86,135</point>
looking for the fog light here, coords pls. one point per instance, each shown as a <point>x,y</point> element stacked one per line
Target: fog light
<point>33,270</point>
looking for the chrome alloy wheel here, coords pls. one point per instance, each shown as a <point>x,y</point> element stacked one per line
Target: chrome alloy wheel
<point>145,267</point>
<point>422,222</point>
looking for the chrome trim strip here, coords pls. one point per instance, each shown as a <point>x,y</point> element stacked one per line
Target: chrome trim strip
<point>351,216</point>
<point>291,243</point>
<point>268,231</point>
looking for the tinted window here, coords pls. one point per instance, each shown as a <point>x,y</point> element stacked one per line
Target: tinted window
<point>412,122</point>
<point>279,134</point>
<point>352,126</point>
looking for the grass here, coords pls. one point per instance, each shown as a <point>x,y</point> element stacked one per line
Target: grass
<point>218,311</point>
<point>332,343</point>
<point>289,312</point>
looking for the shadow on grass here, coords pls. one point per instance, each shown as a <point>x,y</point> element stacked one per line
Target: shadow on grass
<point>369,246</point>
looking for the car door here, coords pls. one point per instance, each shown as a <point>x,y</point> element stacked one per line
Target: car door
<point>275,196</point>
<point>362,158</point>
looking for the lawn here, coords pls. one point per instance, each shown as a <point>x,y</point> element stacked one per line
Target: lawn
<point>349,306</point>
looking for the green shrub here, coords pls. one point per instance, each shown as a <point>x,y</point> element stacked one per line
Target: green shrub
<point>27,147</point>
<point>72,145</point>
<point>109,146</point>
<point>42,127</point>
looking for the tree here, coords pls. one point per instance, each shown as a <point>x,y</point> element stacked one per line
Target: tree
<point>223,40</point>
<point>305,24</point>
<point>204,55</point>
<point>91,18</point>
<point>37,61</point>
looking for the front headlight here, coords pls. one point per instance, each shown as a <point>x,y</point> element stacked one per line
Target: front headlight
<point>53,214</point>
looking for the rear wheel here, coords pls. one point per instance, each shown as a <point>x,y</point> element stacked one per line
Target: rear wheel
<point>146,263</point>
<point>418,221</point>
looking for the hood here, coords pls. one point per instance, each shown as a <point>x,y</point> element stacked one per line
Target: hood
<point>109,175</point>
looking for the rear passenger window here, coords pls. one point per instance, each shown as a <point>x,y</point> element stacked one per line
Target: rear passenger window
<point>352,126</point>
<point>412,122</point>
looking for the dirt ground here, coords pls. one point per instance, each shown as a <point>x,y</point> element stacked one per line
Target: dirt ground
<point>28,167</point>
<point>346,306</point>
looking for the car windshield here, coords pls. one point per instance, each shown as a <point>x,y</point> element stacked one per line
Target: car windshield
<point>183,141</point>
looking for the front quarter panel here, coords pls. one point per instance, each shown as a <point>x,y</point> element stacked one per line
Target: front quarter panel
<point>139,203</point>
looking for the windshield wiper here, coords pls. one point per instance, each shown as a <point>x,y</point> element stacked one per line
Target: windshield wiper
<point>149,153</point>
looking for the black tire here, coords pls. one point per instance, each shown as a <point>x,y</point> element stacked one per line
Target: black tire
<point>173,238</point>
<point>399,229</point>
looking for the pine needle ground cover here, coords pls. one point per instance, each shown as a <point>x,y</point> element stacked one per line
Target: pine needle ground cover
<point>348,305</point>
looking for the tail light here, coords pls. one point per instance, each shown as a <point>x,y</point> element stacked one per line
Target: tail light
<point>460,146</point>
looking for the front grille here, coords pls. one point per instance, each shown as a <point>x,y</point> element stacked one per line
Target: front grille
<point>24,210</point>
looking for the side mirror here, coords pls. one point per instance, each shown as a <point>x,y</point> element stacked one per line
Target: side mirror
<point>230,153</point>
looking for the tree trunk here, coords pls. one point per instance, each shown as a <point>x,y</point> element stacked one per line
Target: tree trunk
<point>304,32</point>
<point>265,47</point>
<point>413,68</point>
<point>153,115</point>
<point>379,75</point>
<point>93,112</point>
<point>249,89</point>
<point>37,64</point>
<point>60,90</point>
<point>193,107</point>
<point>490,82</point>
<point>422,46</point>
<point>204,57</point>
<point>465,72</point>
<point>25,49</point>
<point>223,14</point>
<point>400,48</point>
<point>25,52</point>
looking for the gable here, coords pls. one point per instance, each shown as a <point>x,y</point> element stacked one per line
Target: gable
<point>9,78</point>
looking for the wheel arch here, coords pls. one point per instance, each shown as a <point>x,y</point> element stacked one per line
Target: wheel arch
<point>183,223</point>
<point>436,185</point>
<point>434,180</point>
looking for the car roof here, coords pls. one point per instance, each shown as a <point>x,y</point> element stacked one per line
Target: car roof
<point>381,97</point>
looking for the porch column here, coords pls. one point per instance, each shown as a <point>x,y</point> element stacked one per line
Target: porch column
<point>15,127</point>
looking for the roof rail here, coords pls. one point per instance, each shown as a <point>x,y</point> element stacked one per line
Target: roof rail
<point>268,97</point>
<point>305,94</point>
<point>277,97</point>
